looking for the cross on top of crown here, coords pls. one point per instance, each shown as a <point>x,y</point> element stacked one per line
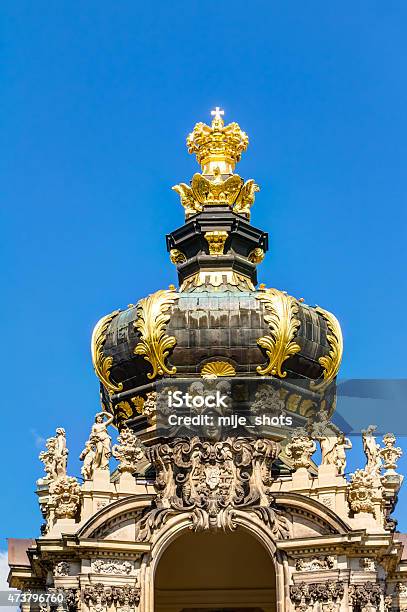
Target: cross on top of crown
<point>217,114</point>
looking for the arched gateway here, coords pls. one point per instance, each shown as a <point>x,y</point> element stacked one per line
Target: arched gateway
<point>219,392</point>
<point>215,571</point>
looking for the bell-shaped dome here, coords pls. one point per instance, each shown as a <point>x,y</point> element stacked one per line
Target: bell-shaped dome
<point>217,323</point>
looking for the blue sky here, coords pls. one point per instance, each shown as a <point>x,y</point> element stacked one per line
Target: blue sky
<point>97,98</point>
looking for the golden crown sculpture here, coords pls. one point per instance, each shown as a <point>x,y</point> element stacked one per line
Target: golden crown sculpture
<point>218,149</point>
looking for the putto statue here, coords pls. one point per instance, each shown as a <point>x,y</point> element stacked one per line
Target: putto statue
<point>98,448</point>
<point>55,458</point>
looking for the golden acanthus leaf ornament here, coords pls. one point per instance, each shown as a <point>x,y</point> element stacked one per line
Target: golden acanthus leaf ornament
<point>331,362</point>
<point>101,363</point>
<point>279,345</point>
<point>155,344</point>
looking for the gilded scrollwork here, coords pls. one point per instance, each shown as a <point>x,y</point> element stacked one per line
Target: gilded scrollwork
<point>101,363</point>
<point>281,318</point>
<point>177,256</point>
<point>331,362</point>
<point>155,344</point>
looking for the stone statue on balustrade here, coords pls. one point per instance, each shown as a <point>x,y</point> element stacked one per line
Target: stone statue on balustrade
<point>372,451</point>
<point>55,458</point>
<point>98,448</point>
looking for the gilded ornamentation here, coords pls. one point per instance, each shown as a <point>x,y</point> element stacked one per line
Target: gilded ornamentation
<point>279,345</point>
<point>232,192</point>
<point>300,449</point>
<point>56,456</point>
<point>390,453</point>
<point>123,411</point>
<point>138,403</point>
<point>361,491</point>
<point>218,148</point>
<point>332,361</point>
<point>217,279</point>
<point>365,597</point>
<point>65,497</point>
<point>112,566</point>
<point>214,369</point>
<point>212,481</point>
<point>128,452</point>
<point>177,256</point>
<point>256,256</point>
<point>217,145</point>
<point>101,363</point>
<point>155,344</point>
<point>147,407</point>
<point>216,241</point>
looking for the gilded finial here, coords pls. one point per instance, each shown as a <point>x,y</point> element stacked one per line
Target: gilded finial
<point>217,146</point>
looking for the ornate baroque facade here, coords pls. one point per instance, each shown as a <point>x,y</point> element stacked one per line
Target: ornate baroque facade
<point>214,519</point>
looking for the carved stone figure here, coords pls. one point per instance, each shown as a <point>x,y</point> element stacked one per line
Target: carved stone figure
<point>343,444</point>
<point>301,597</point>
<point>61,568</point>
<point>365,597</point>
<point>211,481</point>
<point>390,453</point>
<point>368,564</point>
<point>71,599</point>
<point>372,451</point>
<point>361,491</point>
<point>56,456</point>
<point>150,407</point>
<point>126,597</point>
<point>267,401</point>
<point>332,442</point>
<point>328,594</point>
<point>97,451</point>
<point>300,449</point>
<point>388,603</point>
<point>98,597</point>
<point>88,457</point>
<point>112,566</point>
<point>314,564</point>
<point>128,451</point>
<point>65,497</point>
